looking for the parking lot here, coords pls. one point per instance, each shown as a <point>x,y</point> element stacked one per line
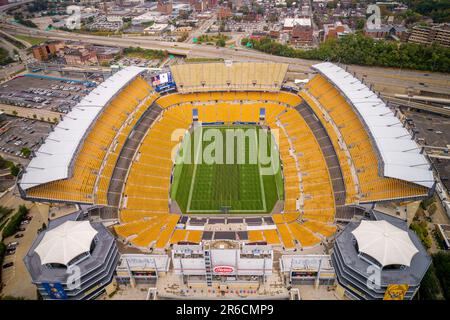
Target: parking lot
<point>16,280</point>
<point>43,93</point>
<point>139,62</point>
<point>19,133</point>
<point>432,130</point>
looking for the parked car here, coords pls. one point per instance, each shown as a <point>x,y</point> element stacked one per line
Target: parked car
<point>19,235</point>
<point>22,229</point>
<point>8,265</point>
<point>12,244</point>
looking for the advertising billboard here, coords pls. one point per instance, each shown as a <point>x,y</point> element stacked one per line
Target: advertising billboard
<point>55,290</point>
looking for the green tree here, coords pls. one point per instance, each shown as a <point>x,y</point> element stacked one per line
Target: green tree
<point>441,262</point>
<point>14,169</point>
<point>26,152</point>
<point>3,163</point>
<point>361,50</point>
<point>14,223</point>
<point>220,42</point>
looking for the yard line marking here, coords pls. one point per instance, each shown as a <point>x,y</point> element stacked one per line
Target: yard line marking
<point>199,148</point>
<point>259,173</point>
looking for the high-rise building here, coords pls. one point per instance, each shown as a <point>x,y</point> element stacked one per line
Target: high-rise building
<point>165,6</point>
<point>335,30</point>
<point>439,34</point>
<point>45,51</point>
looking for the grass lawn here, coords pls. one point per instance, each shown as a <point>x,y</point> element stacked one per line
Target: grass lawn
<point>31,40</point>
<point>236,187</point>
<point>197,60</point>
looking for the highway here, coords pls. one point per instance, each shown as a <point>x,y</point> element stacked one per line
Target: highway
<point>386,80</point>
<point>12,5</point>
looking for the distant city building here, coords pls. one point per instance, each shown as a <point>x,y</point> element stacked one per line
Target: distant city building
<point>439,34</point>
<point>300,29</point>
<point>110,22</point>
<point>114,18</point>
<point>386,31</point>
<point>180,8</point>
<point>258,35</point>
<point>236,4</point>
<point>302,35</point>
<point>289,23</point>
<point>106,54</point>
<point>182,30</point>
<point>45,51</point>
<point>80,56</point>
<point>156,29</point>
<point>274,34</point>
<point>147,17</point>
<point>165,7</point>
<point>224,13</point>
<point>74,52</point>
<point>199,5</point>
<point>335,30</point>
<point>4,2</point>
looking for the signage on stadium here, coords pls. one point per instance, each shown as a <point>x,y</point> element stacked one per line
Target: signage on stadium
<point>223,269</point>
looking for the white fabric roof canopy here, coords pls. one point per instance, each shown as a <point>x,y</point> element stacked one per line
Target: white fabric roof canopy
<point>385,243</point>
<point>400,153</point>
<point>53,158</point>
<point>65,242</point>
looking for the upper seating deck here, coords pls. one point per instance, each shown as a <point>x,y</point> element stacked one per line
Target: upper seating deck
<point>209,77</point>
<point>105,132</point>
<point>373,187</point>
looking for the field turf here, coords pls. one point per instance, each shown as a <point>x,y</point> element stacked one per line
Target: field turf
<point>239,188</point>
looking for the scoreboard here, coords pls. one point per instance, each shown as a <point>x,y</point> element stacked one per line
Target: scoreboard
<point>163,82</point>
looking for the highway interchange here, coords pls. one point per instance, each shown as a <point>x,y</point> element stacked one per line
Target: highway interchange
<point>387,81</point>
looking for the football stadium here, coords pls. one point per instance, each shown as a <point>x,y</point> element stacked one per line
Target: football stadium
<point>202,159</point>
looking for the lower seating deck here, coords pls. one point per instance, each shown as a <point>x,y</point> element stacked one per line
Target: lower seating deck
<point>146,193</point>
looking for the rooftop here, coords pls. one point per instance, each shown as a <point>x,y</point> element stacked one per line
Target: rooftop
<point>402,157</point>
<point>54,157</point>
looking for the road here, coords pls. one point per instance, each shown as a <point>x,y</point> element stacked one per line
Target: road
<point>12,5</point>
<point>386,80</point>
<point>16,279</point>
<point>201,30</point>
<point>29,112</point>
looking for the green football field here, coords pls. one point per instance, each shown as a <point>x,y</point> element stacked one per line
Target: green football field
<point>227,177</point>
